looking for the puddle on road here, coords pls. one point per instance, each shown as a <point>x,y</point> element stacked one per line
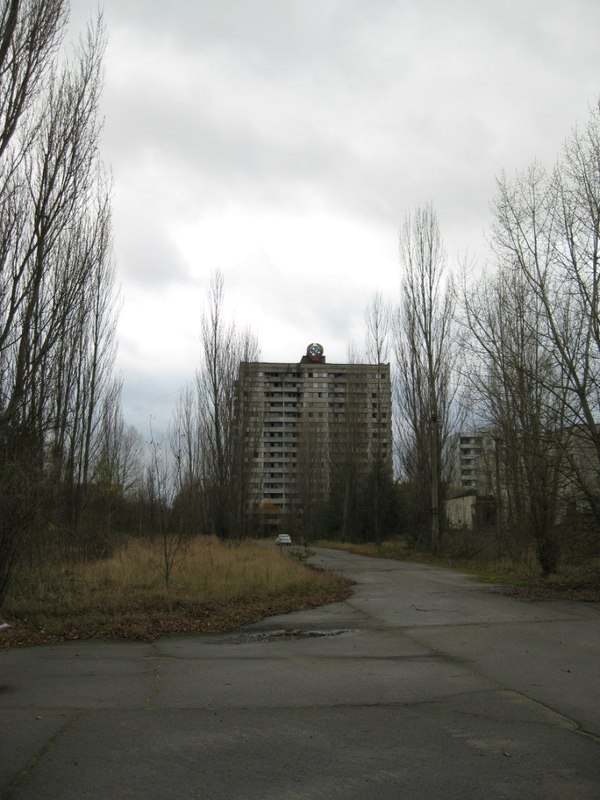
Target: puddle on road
<point>278,635</point>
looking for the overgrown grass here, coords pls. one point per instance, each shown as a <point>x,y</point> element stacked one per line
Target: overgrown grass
<point>213,587</point>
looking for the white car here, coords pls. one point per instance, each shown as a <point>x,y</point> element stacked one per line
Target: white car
<point>283,538</point>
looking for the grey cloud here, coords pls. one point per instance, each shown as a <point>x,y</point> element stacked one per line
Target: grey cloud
<point>276,151</point>
<point>372,57</point>
<point>362,107</point>
<point>146,255</point>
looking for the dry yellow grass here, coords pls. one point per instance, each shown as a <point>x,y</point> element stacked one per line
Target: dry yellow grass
<point>213,586</point>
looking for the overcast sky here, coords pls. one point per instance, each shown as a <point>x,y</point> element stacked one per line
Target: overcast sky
<point>283,141</point>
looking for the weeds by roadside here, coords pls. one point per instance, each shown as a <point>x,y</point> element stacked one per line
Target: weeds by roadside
<point>575,581</point>
<point>302,554</point>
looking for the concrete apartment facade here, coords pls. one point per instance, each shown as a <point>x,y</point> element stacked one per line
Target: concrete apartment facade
<point>472,457</point>
<point>476,476</point>
<point>478,490</point>
<point>303,420</point>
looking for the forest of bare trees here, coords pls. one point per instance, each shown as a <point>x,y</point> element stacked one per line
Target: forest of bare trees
<point>57,311</point>
<point>512,349</point>
<point>207,442</point>
<point>515,353</point>
<point>510,352</point>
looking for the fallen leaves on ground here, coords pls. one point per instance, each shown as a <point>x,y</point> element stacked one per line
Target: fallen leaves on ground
<point>186,618</point>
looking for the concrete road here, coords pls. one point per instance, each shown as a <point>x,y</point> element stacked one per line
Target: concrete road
<point>424,685</point>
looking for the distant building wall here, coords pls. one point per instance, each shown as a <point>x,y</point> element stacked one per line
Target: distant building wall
<point>478,463</point>
<point>461,512</point>
<point>471,460</point>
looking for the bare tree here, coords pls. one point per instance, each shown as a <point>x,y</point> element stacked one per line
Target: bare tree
<point>30,32</point>
<point>117,473</point>
<point>547,225</point>
<point>510,370</point>
<point>211,438</point>
<point>247,431</point>
<point>425,360</point>
<point>378,321</point>
<point>55,272</point>
<point>311,478</point>
<point>188,447</point>
<point>162,480</point>
<point>223,348</point>
<point>348,444</point>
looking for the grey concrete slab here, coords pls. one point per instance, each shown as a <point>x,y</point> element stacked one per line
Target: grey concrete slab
<point>423,685</point>
<point>78,675</point>
<point>556,663</point>
<point>423,751</point>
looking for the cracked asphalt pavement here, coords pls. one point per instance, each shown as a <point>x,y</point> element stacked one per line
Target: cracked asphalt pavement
<point>423,685</point>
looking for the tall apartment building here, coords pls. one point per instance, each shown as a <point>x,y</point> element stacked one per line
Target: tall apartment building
<point>465,450</point>
<point>477,489</point>
<point>473,461</point>
<point>302,422</point>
